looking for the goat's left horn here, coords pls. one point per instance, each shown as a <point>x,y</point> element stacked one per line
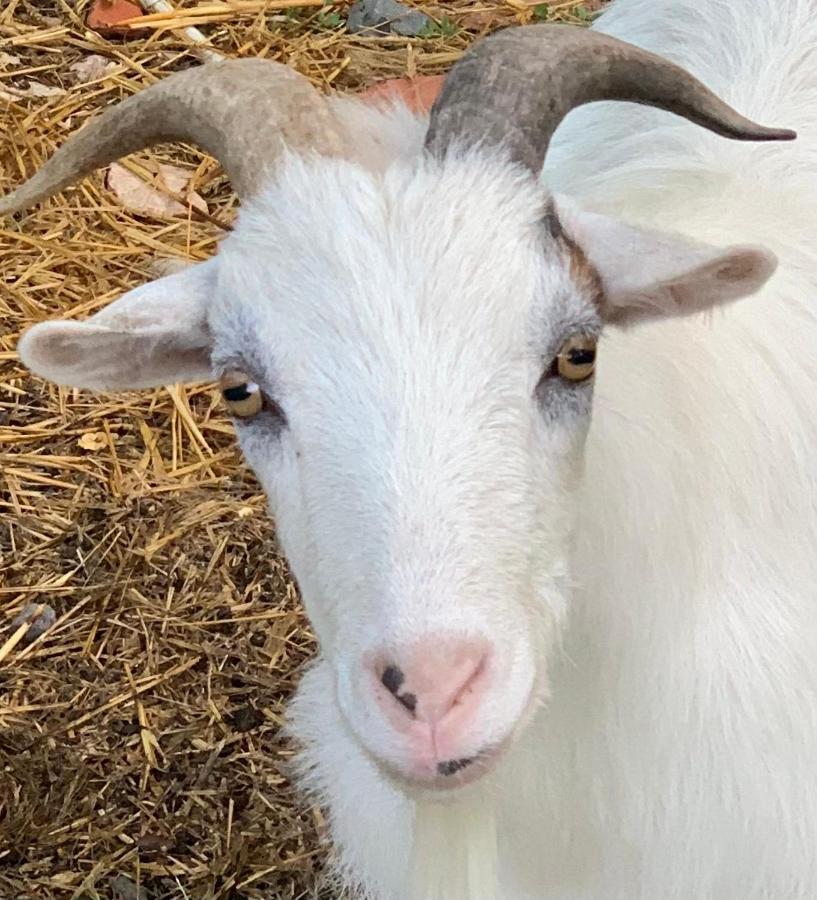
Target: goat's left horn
<point>514,88</point>
<point>243,112</point>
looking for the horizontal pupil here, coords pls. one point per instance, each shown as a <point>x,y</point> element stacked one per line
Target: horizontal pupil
<point>581,357</point>
<point>236,394</point>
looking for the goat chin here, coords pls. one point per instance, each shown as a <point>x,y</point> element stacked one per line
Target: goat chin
<point>454,853</point>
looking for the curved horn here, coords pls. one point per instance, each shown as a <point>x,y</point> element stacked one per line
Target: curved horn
<point>241,111</point>
<point>515,87</point>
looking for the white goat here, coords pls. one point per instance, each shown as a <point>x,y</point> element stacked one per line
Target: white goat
<point>539,678</point>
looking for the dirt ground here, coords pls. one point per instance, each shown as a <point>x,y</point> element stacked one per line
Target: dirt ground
<point>140,736</point>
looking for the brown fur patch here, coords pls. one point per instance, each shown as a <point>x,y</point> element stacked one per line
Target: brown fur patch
<point>582,272</point>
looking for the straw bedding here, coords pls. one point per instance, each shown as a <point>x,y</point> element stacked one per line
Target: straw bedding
<point>140,736</point>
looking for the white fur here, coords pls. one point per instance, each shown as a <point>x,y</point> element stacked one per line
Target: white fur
<point>675,756</point>
<point>652,601</point>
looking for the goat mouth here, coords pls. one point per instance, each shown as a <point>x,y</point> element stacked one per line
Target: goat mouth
<point>450,775</point>
<point>458,773</point>
<point>453,774</point>
<point>452,766</point>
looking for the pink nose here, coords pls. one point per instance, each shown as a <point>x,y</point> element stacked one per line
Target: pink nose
<point>433,692</point>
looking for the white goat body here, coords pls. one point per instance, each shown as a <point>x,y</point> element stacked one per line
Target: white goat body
<point>674,759</point>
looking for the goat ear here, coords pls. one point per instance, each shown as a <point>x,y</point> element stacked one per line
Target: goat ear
<point>155,334</point>
<point>649,274</point>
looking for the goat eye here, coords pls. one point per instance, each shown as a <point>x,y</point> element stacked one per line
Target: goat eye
<point>242,396</point>
<point>576,358</point>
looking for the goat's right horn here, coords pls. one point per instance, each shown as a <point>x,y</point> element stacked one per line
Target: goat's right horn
<point>243,112</point>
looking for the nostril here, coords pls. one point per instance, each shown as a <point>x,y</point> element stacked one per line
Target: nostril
<point>392,679</point>
<point>409,701</point>
<point>432,678</point>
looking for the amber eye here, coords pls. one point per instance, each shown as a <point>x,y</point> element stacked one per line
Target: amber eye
<point>576,358</point>
<point>242,396</point>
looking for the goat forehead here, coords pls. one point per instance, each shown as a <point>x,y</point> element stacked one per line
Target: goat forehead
<point>425,267</point>
<point>317,196</point>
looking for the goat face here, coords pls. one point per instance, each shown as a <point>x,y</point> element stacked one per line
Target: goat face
<point>417,451</point>
<point>387,345</point>
<point>420,442</point>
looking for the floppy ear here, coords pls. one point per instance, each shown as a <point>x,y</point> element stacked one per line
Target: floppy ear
<point>155,334</point>
<point>648,274</point>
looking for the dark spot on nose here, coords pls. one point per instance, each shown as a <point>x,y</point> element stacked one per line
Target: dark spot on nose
<point>392,678</point>
<point>409,701</point>
<point>452,766</point>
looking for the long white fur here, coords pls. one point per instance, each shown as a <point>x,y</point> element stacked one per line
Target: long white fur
<point>675,757</point>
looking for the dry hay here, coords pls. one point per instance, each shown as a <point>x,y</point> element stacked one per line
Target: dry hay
<point>141,735</point>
